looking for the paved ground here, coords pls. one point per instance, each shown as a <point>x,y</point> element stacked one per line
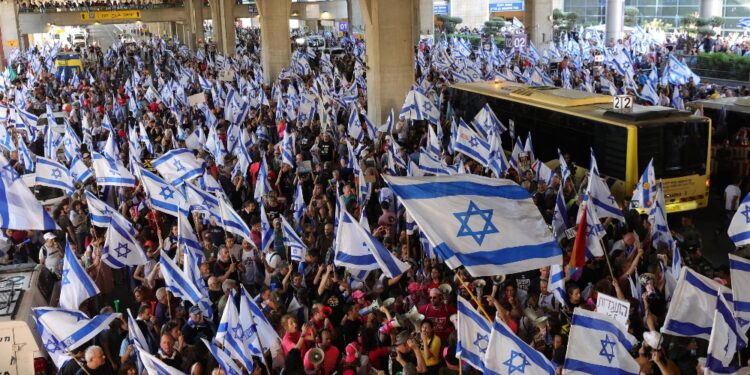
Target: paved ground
<point>707,220</point>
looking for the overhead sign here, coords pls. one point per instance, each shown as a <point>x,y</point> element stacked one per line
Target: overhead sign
<point>441,9</point>
<point>519,41</point>
<point>623,102</point>
<point>506,6</point>
<point>111,15</point>
<point>343,26</point>
<point>253,10</point>
<point>613,307</point>
<point>11,43</point>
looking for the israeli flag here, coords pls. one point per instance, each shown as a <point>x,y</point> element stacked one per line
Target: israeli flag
<point>352,251</point>
<point>260,332</point>
<point>25,155</point>
<point>196,139</point>
<point>602,199</point>
<point>430,164</point>
<point>389,264</point>
<point>201,201</point>
<point>223,359</point>
<point>153,365</point>
<point>135,335</point>
<point>191,269</point>
<point>693,301</point>
<point>645,191</point>
<point>739,269</point>
<point>177,283</point>
<point>72,328</point>
<point>53,174</point>
<point>120,246</point>
<point>298,206</point>
<point>472,145</point>
<point>507,354</point>
<point>387,128</point>
<point>231,334</point>
<point>473,335</point>
<point>557,283</point>
<point>111,172</point>
<point>599,344</point>
<point>71,143</point>
<point>262,186</point>
<point>76,285</point>
<point>739,228</point>
<point>178,166</point>
<point>52,345</point>
<point>110,150</point>
<point>726,338</point>
<point>486,121</point>
<point>492,226</point>
<point>419,107</point>
<point>6,139</point>
<point>232,221</point>
<point>354,126</point>
<point>563,167</point>
<point>291,239</point>
<point>163,196</point>
<point>101,213</point>
<point>267,233</point>
<point>19,208</point>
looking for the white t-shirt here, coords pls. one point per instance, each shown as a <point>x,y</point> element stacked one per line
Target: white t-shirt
<point>730,193</point>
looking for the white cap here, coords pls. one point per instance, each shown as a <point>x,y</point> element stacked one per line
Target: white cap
<point>49,236</point>
<point>273,261</point>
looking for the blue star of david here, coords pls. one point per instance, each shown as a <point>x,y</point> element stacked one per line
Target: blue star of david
<point>178,166</point>
<point>107,211</point>
<point>56,173</point>
<point>746,214</point>
<point>466,230</point>
<point>474,141</point>
<point>207,204</point>
<point>52,346</point>
<point>166,192</point>
<point>238,332</point>
<point>68,142</point>
<point>122,250</point>
<point>13,175</point>
<point>232,139</point>
<point>521,367</point>
<point>481,342</point>
<point>427,107</point>
<point>65,279</point>
<point>607,353</point>
<point>74,175</point>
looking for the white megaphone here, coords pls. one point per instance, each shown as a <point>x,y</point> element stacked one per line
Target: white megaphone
<point>479,287</point>
<point>445,289</point>
<point>388,302</point>
<point>316,356</point>
<point>414,316</point>
<point>373,306</point>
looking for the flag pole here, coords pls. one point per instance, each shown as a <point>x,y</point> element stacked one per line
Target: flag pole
<point>606,256</point>
<point>473,297</point>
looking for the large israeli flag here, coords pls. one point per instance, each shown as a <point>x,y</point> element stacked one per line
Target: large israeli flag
<point>111,172</point>
<point>19,208</point>
<point>163,196</point>
<point>599,344</point>
<point>472,145</point>
<point>53,174</point>
<point>232,334</point>
<point>739,228</point>
<point>693,302</point>
<point>490,226</point>
<point>72,328</point>
<point>473,335</point>
<point>76,285</point>
<point>120,246</point>
<point>508,354</point>
<point>351,249</point>
<point>726,338</point>
<point>739,269</point>
<point>178,165</point>
<point>417,106</point>
<point>155,366</point>
<point>387,262</point>
<point>177,283</point>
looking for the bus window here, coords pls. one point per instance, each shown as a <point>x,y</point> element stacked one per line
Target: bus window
<point>678,149</point>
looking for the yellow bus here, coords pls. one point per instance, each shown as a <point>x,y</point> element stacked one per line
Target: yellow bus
<point>624,142</point>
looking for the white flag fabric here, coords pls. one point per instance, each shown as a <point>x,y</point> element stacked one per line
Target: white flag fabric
<point>352,251</point>
<point>163,196</point>
<point>110,172</point>
<point>508,354</point>
<point>557,283</point>
<point>72,328</point>
<point>53,174</point>
<point>232,221</point>
<point>262,186</point>
<point>101,213</point>
<point>599,344</point>
<point>232,335</point>
<point>693,303</point>
<point>252,316</point>
<point>739,269</point>
<point>52,345</point>
<point>76,285</point>
<point>120,246</point>
<point>19,208</point>
<point>135,335</point>
<point>472,145</point>
<point>223,359</point>
<point>296,246</point>
<point>178,166</point>
<point>490,226</point>
<point>485,122</point>
<point>602,199</point>
<point>739,228</point>
<point>726,338</point>
<point>177,283</point>
<point>155,366</point>
<point>419,107</point>
<point>387,262</point>
<point>473,335</point>
<point>79,172</point>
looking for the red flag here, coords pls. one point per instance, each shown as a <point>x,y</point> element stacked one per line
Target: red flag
<point>578,257</point>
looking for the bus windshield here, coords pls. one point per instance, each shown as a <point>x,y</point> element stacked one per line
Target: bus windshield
<point>678,149</point>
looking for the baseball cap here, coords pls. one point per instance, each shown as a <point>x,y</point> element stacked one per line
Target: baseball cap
<point>49,236</point>
<point>195,310</point>
<point>358,294</point>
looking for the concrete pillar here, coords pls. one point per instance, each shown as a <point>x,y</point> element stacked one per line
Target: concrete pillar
<point>194,16</point>
<point>222,18</point>
<point>615,21</point>
<point>711,8</point>
<point>537,20</point>
<point>356,24</point>
<point>426,17</point>
<point>389,29</point>
<point>10,34</point>
<point>276,48</point>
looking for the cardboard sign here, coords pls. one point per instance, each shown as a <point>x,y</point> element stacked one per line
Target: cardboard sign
<point>196,99</point>
<point>613,307</point>
<point>226,75</point>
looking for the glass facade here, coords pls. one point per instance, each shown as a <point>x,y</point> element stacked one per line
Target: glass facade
<point>593,12</point>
